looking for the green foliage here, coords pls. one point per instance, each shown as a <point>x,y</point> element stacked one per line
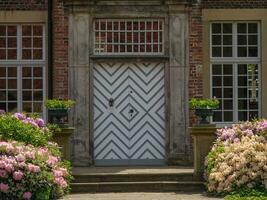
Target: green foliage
<point>14,129</point>
<point>59,104</point>
<point>212,156</point>
<point>53,127</point>
<point>245,193</point>
<point>204,103</point>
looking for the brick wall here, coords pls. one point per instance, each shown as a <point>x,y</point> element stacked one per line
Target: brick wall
<point>195,55</point>
<point>60,50</point>
<point>234,4</point>
<point>23,4</point>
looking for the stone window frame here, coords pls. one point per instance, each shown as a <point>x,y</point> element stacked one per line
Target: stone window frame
<point>235,61</point>
<point>234,14</point>
<point>25,18</point>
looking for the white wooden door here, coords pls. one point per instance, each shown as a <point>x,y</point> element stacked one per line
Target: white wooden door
<point>129,114</point>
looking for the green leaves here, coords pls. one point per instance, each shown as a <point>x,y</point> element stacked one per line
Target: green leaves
<point>204,103</point>
<point>59,104</point>
<point>14,129</point>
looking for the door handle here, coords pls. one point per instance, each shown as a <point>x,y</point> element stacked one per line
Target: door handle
<point>131,111</point>
<point>111,102</point>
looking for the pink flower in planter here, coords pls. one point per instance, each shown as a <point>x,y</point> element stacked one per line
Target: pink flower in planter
<point>3,173</point>
<point>27,195</point>
<point>19,116</point>
<point>18,175</point>
<point>4,187</point>
<point>33,168</point>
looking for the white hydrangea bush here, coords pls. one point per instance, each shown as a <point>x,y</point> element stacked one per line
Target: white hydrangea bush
<point>238,158</point>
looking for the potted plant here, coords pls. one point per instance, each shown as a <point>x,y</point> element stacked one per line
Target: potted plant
<point>58,109</point>
<point>204,108</point>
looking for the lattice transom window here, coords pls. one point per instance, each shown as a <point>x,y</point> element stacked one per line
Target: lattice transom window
<point>129,36</point>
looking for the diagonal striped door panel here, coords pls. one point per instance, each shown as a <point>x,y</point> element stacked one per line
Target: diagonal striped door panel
<point>132,131</point>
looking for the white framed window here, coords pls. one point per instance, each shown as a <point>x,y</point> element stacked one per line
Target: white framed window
<point>235,70</point>
<point>22,67</point>
<point>128,36</point>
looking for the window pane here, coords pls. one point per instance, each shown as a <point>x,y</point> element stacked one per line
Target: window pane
<point>252,39</point>
<point>227,52</point>
<point>217,116</point>
<point>242,116</point>
<point>252,27</point>
<point>242,105</point>
<point>217,92</point>
<point>228,104</point>
<point>228,116</point>
<point>227,28</point>
<point>227,69</point>
<point>242,51</point>
<point>2,95</point>
<point>216,69</point>
<point>216,40</point>
<point>216,52</point>
<point>227,40</point>
<point>228,92</point>
<point>216,28</point>
<point>242,28</point>
<point>2,84</point>
<point>252,51</point>
<point>217,81</point>
<point>242,40</point>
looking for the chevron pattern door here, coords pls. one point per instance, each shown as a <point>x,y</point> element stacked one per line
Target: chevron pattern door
<point>129,114</point>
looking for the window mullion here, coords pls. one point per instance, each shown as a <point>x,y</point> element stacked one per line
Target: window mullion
<point>19,67</point>
<point>235,93</point>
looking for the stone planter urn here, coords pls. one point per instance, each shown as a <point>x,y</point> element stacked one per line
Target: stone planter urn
<point>203,114</point>
<point>57,115</point>
<point>62,138</point>
<point>203,136</point>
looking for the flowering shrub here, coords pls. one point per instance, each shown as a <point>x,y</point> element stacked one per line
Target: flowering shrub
<point>24,129</point>
<point>30,165</point>
<point>28,172</point>
<point>238,159</point>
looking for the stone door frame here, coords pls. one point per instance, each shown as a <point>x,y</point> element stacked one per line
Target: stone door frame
<point>82,59</point>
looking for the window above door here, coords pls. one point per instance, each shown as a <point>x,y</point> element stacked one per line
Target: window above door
<point>128,37</point>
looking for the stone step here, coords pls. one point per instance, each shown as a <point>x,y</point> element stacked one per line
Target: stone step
<point>94,178</point>
<point>152,186</point>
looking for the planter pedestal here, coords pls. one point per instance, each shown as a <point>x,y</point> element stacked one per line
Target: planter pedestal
<point>204,137</point>
<point>62,138</point>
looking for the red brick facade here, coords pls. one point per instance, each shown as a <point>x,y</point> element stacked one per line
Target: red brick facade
<point>195,54</point>
<point>60,50</point>
<point>228,4</point>
<point>23,5</point>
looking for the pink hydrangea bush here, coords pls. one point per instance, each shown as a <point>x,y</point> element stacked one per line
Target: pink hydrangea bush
<point>27,172</point>
<point>30,164</point>
<point>238,159</point>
